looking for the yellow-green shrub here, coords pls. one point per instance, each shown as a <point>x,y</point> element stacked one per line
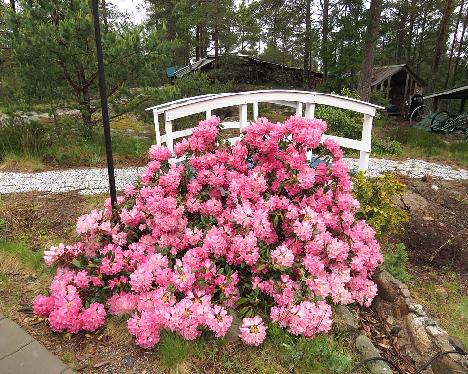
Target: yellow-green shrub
<point>377,198</point>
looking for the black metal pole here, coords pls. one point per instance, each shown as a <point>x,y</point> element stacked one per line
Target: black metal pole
<point>104,104</point>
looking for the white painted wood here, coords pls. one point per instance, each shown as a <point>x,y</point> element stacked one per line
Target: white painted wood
<point>348,143</point>
<point>231,125</point>
<point>156,127</point>
<point>255,110</point>
<point>299,109</point>
<point>226,100</point>
<point>295,99</point>
<point>208,113</point>
<point>309,110</point>
<point>366,140</point>
<point>169,139</point>
<point>243,115</point>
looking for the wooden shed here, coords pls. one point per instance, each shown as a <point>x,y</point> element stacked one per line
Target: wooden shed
<point>398,83</point>
<point>246,69</point>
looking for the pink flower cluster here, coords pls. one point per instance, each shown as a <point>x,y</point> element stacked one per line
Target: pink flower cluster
<point>248,227</point>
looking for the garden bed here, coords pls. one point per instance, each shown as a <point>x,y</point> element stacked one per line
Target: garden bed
<point>34,221</point>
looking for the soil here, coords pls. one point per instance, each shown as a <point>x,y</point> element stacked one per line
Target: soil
<point>42,218</point>
<point>437,232</point>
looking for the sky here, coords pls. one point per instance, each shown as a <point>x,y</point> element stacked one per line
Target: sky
<point>134,8</point>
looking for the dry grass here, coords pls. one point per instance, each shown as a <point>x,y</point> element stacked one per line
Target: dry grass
<point>444,295</point>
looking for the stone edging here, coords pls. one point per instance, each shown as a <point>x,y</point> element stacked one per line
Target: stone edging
<point>418,335</point>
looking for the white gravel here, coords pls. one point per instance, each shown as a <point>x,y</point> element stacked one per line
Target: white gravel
<point>94,181</point>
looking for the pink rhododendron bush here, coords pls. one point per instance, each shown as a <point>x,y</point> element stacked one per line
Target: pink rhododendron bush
<point>251,228</point>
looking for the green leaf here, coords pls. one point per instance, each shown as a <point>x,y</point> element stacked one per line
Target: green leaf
<point>77,264</point>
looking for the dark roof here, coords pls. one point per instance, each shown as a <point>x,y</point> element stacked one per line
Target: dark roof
<point>454,93</point>
<point>197,65</point>
<point>381,73</point>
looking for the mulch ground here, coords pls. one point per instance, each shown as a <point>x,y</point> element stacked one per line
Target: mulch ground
<point>437,233</point>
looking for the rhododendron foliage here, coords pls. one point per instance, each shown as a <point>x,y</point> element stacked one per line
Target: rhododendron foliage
<point>250,229</point>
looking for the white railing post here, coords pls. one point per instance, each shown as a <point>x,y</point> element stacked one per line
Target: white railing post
<point>156,127</point>
<point>367,140</point>
<point>299,109</point>
<point>169,140</point>
<point>208,113</point>
<point>255,110</point>
<point>242,116</point>
<point>309,110</point>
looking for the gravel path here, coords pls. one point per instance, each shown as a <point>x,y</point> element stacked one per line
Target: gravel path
<point>93,181</point>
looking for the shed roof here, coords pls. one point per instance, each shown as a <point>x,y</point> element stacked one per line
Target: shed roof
<point>454,93</point>
<point>197,65</point>
<point>381,73</point>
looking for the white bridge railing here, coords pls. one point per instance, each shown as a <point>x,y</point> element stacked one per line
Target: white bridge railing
<point>297,99</point>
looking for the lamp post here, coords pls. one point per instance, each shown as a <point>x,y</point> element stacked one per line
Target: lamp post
<point>104,104</point>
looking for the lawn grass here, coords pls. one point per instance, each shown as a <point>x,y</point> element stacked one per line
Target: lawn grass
<point>444,295</point>
<point>35,146</point>
<point>417,143</point>
<point>22,252</point>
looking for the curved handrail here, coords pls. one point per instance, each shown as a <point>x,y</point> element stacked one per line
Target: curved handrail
<point>206,103</point>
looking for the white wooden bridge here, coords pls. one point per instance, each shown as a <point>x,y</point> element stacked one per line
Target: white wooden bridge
<point>303,101</point>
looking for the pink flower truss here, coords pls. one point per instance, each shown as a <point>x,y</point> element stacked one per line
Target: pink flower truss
<point>225,225</point>
<point>253,331</point>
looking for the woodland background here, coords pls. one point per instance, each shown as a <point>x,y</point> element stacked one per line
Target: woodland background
<point>47,46</point>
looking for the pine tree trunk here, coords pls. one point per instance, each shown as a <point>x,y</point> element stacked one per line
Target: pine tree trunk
<point>421,40</point>
<point>85,110</point>
<point>454,41</point>
<point>440,43</point>
<point>307,46</point>
<point>324,46</point>
<point>198,43</point>
<point>401,31</point>
<point>372,34</point>
<point>409,46</point>
<point>104,15</point>
<point>460,46</point>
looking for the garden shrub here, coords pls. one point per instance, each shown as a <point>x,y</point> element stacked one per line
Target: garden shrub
<point>341,122</point>
<point>250,226</point>
<point>386,146</point>
<point>396,261</point>
<point>377,202</point>
<point>20,136</point>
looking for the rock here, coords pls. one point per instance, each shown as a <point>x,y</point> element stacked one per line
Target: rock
<point>435,187</point>
<point>446,364</point>
<point>367,350</point>
<point>129,362</point>
<point>346,316</point>
<point>457,343</point>
<point>417,333</point>
<point>386,285</point>
<point>418,310</point>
